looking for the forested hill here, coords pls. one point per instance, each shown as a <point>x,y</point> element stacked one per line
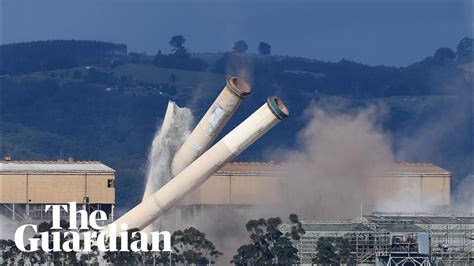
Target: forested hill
<point>94,101</point>
<point>46,55</point>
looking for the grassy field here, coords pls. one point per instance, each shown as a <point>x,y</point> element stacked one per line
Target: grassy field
<point>184,78</point>
<point>138,72</point>
<point>199,79</point>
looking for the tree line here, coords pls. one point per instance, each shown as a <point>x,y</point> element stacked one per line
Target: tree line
<point>427,77</point>
<point>269,244</point>
<point>33,56</point>
<point>180,58</point>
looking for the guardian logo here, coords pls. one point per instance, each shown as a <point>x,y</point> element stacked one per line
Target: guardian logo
<point>104,241</point>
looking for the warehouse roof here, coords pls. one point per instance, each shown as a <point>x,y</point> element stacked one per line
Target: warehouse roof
<point>417,168</point>
<point>281,168</point>
<point>237,168</point>
<point>58,166</point>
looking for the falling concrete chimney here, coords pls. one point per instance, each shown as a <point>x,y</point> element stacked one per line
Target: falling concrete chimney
<point>211,123</point>
<point>234,143</point>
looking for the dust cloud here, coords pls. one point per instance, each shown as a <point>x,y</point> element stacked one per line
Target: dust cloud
<point>329,173</point>
<point>167,140</point>
<point>463,196</point>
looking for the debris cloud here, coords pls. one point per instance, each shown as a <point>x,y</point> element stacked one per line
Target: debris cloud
<point>329,175</point>
<point>168,138</point>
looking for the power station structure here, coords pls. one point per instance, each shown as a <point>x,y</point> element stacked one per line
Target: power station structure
<point>26,187</point>
<point>394,239</point>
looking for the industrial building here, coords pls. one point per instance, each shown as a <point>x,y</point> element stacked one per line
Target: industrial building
<point>256,183</point>
<point>26,187</point>
<point>396,238</point>
<point>419,183</point>
<point>241,184</point>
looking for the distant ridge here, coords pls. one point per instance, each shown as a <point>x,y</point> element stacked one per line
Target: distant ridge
<point>27,57</point>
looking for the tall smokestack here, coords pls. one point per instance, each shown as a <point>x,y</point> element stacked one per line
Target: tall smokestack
<point>207,164</point>
<point>211,123</point>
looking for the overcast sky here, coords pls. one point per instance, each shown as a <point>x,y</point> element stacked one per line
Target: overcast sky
<point>375,32</point>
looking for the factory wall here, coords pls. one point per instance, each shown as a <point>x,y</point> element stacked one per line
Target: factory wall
<point>238,190</point>
<point>431,190</point>
<point>13,188</point>
<point>35,188</point>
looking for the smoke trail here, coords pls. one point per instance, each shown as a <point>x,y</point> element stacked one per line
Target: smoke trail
<point>168,139</point>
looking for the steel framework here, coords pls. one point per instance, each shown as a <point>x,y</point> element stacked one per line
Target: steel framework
<point>397,238</point>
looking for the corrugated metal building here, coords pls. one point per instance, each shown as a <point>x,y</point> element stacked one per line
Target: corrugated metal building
<point>419,183</point>
<point>27,186</point>
<point>265,182</point>
<point>241,184</point>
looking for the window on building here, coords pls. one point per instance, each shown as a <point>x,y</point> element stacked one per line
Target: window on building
<point>110,182</point>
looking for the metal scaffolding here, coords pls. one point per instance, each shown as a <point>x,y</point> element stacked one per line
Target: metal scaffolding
<point>397,239</point>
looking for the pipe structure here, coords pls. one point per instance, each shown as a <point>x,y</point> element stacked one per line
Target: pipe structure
<point>211,123</point>
<point>236,141</point>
